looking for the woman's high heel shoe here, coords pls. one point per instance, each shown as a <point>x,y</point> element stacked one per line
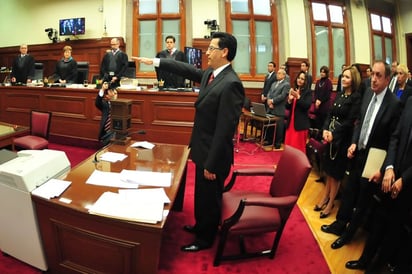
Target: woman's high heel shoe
<point>319,208</point>
<point>324,215</point>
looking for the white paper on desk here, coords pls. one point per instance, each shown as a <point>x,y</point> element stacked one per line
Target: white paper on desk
<point>52,188</point>
<point>112,157</point>
<point>374,162</point>
<point>146,178</point>
<point>116,206</point>
<point>144,144</point>
<point>104,178</point>
<point>145,195</point>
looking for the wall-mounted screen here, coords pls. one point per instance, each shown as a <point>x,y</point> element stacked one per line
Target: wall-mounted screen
<point>194,56</point>
<point>72,26</point>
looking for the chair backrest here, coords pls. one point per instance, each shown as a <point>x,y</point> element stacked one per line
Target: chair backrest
<point>40,123</point>
<point>291,173</point>
<point>82,72</point>
<point>38,71</point>
<point>131,70</point>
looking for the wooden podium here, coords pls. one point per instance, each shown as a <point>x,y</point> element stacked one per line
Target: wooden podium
<point>121,120</point>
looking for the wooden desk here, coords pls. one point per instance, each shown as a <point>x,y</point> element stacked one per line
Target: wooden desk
<point>9,131</point>
<point>78,242</point>
<point>265,123</point>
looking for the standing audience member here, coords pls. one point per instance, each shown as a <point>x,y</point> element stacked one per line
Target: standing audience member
<point>298,104</point>
<point>323,89</point>
<point>394,78</point>
<point>269,80</point>
<point>218,108</point>
<point>379,115</point>
<point>66,68</point>
<point>22,70</point>
<point>102,102</point>
<point>403,91</point>
<point>168,78</point>
<point>367,81</point>
<point>339,85</point>
<point>304,66</point>
<point>114,64</point>
<point>284,67</point>
<point>337,132</point>
<point>393,211</point>
<point>276,102</point>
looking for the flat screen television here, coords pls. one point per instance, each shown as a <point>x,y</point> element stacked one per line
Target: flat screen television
<point>72,26</point>
<point>194,56</point>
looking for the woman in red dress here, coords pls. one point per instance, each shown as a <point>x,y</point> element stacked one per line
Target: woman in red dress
<point>298,103</point>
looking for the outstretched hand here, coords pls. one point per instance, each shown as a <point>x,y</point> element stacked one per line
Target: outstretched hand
<point>144,60</point>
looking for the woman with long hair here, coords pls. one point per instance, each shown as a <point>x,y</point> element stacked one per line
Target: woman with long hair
<point>298,103</point>
<point>337,132</point>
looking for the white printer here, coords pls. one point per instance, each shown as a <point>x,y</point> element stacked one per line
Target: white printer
<point>19,233</point>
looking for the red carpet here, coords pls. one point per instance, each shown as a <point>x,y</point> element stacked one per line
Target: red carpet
<point>298,252</point>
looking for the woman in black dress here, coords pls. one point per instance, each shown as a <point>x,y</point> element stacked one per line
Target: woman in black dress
<point>337,132</point>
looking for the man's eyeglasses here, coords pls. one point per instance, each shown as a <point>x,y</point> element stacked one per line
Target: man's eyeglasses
<point>212,48</point>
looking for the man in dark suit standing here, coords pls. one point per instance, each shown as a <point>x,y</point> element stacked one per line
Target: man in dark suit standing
<point>394,208</point>
<point>218,108</point>
<point>22,70</point>
<point>380,111</point>
<point>114,64</point>
<point>276,105</point>
<point>270,78</point>
<point>169,79</point>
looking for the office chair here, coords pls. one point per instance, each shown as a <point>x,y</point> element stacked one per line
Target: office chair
<point>39,132</point>
<point>38,71</point>
<point>82,72</point>
<point>253,213</point>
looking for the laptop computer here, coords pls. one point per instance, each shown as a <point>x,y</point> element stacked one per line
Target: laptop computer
<point>259,109</point>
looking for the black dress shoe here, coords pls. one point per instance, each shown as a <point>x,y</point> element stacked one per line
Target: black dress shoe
<point>341,241</point>
<point>334,228</point>
<point>189,228</point>
<point>194,247</point>
<point>355,265</point>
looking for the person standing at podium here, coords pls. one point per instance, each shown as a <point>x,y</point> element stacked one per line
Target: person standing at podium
<point>217,111</point>
<point>170,80</point>
<point>22,70</point>
<point>114,64</point>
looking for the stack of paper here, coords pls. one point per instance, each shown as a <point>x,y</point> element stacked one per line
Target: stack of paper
<point>52,188</point>
<point>139,206</point>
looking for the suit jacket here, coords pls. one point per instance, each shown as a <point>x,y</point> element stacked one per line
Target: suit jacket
<point>301,110</point>
<point>385,121</point>
<point>121,66</point>
<point>218,108</point>
<point>400,148</point>
<point>23,68</point>
<point>170,79</point>
<point>268,83</point>
<point>278,94</point>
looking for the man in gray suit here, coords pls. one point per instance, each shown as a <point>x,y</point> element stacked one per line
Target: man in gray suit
<point>276,102</point>
<point>218,108</point>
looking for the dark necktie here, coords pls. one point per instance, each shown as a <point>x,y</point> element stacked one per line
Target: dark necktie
<point>366,123</point>
<point>212,76</point>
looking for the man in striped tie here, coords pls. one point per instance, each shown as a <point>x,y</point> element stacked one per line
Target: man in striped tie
<point>102,102</point>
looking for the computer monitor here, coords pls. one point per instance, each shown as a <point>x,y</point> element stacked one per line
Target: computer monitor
<point>72,26</point>
<point>194,56</point>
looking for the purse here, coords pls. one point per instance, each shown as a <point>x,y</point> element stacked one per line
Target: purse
<point>333,125</point>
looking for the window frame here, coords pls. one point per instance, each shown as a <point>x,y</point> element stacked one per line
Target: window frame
<point>382,35</point>
<point>253,75</point>
<point>160,43</point>
<point>330,26</point>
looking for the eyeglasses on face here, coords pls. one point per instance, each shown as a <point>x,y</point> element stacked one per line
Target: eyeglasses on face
<point>212,48</point>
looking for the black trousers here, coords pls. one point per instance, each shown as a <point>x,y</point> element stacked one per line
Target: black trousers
<point>208,205</point>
